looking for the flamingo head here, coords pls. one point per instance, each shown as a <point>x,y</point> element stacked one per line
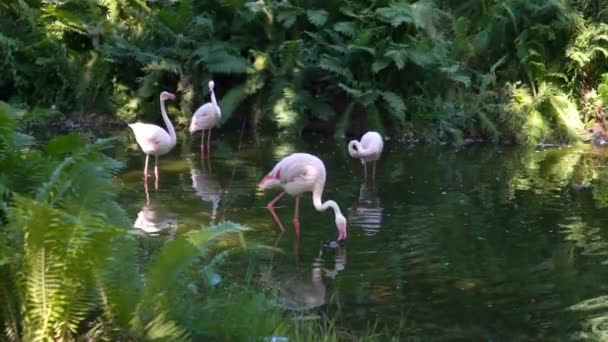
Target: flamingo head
<point>353,148</point>
<point>341,225</point>
<point>211,86</point>
<point>268,182</point>
<point>165,95</point>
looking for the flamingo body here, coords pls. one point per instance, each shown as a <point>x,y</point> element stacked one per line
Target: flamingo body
<point>206,116</point>
<point>368,149</point>
<point>152,139</point>
<point>296,174</point>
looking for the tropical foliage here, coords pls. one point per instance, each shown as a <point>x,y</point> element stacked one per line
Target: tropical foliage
<point>68,262</point>
<point>443,69</point>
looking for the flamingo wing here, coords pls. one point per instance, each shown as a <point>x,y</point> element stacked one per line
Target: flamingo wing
<point>298,168</point>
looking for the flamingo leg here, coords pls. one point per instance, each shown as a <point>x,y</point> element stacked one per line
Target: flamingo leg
<point>374,171</point>
<point>156,173</point>
<point>296,220</point>
<point>270,208</point>
<point>146,168</point>
<point>147,193</point>
<point>202,142</point>
<point>209,141</point>
<point>365,170</point>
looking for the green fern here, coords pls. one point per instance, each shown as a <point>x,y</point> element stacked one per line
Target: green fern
<point>395,105</point>
<point>317,17</point>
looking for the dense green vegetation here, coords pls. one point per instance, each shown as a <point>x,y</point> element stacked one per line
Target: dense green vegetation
<point>524,71</point>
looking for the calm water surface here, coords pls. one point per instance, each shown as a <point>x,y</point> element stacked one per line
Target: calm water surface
<point>482,243</point>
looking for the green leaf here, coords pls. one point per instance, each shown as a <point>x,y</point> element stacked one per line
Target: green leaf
<point>395,104</point>
<point>64,144</point>
<point>399,57</point>
<point>380,64</point>
<point>397,14</point>
<point>334,65</point>
<point>343,121</point>
<point>287,17</point>
<point>347,28</point>
<point>317,17</point>
<point>232,100</point>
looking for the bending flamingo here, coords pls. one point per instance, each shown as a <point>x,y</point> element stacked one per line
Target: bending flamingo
<point>368,149</point>
<point>153,140</point>
<point>206,117</point>
<point>296,174</point>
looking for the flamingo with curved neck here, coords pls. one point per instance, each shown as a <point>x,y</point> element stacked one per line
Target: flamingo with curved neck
<point>368,149</point>
<point>205,118</point>
<point>296,174</point>
<point>154,140</point>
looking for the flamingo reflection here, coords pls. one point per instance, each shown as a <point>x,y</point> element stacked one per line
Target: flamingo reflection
<point>207,188</point>
<point>367,212</point>
<point>153,218</point>
<point>300,290</point>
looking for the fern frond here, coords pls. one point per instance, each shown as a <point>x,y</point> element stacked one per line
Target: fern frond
<point>347,28</point>
<point>344,121</point>
<point>232,100</point>
<point>395,105</point>
<point>180,253</point>
<point>398,56</point>
<point>228,64</point>
<point>396,14</point>
<point>317,17</point>
<point>374,121</point>
<point>287,15</point>
<point>335,66</point>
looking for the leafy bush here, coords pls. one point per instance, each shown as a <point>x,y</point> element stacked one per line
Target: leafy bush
<point>67,258</point>
<point>392,66</point>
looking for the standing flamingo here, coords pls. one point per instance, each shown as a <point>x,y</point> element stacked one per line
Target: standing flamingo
<point>153,140</point>
<point>296,174</point>
<point>206,117</point>
<point>368,149</point>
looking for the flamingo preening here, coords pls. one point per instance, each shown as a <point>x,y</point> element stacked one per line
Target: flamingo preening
<point>206,117</point>
<point>296,174</point>
<point>154,140</point>
<point>368,149</point>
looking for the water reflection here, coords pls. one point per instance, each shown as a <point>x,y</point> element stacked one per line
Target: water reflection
<point>367,212</point>
<point>153,218</point>
<point>297,288</point>
<point>206,187</point>
<point>481,243</point>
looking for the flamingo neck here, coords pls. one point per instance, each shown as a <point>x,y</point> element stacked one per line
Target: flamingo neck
<point>167,121</point>
<point>214,101</point>
<point>319,205</point>
<point>354,152</point>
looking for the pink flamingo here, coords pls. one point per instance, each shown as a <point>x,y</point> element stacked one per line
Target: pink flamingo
<point>296,174</point>
<point>206,117</point>
<point>368,149</point>
<point>153,140</point>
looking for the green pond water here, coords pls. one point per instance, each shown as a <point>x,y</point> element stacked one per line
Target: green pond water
<point>479,243</point>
